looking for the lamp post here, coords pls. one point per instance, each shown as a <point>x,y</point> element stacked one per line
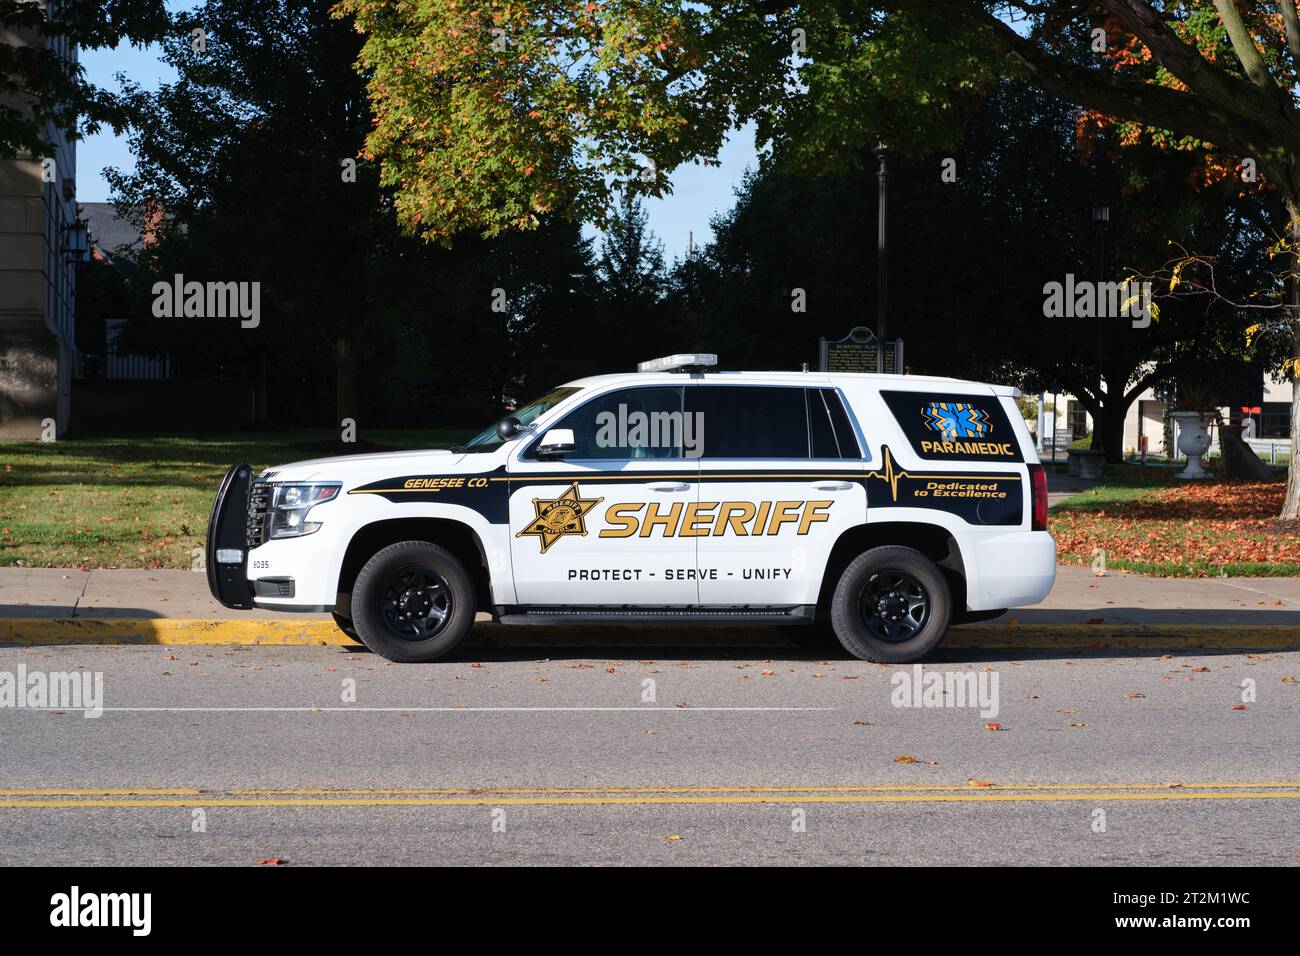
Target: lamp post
<point>882,254</point>
<point>1101,223</point>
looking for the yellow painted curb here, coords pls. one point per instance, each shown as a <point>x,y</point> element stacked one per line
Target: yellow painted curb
<point>32,632</point>
<point>290,633</point>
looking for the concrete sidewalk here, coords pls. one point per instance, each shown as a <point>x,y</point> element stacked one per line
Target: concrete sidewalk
<point>95,595</point>
<point>1127,600</point>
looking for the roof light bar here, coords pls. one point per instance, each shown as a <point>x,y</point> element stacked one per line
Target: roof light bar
<point>682,362</point>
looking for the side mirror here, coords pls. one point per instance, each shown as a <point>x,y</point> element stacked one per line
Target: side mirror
<point>556,442</point>
<point>508,428</point>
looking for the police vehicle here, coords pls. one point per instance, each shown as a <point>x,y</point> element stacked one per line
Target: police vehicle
<point>886,506</point>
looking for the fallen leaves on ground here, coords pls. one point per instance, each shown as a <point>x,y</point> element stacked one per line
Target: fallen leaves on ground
<point>1192,528</point>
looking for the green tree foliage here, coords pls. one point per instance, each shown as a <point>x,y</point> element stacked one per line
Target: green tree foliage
<point>971,258</point>
<point>589,89</point>
<point>41,83</point>
<point>244,174</point>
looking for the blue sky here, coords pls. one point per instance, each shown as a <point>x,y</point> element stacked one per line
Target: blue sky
<point>699,192</point>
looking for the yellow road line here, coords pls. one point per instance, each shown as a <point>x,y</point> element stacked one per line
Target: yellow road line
<point>649,799</point>
<point>121,798</point>
<point>290,633</point>
<point>615,791</point>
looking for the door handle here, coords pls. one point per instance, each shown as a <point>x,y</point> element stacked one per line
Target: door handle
<point>669,486</point>
<point>832,485</point>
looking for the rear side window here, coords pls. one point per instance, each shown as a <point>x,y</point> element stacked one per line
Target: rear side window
<point>824,443</point>
<point>947,426</point>
<point>751,421</point>
<point>845,439</point>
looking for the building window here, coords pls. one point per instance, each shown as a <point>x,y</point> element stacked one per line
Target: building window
<point>1275,422</point>
<point>1077,417</point>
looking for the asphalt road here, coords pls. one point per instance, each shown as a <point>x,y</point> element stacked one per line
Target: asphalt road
<point>238,755</point>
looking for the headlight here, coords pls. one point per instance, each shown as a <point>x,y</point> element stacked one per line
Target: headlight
<point>290,504</point>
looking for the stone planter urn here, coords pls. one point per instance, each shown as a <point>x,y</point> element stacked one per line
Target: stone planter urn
<point>1193,441</point>
<point>1084,463</point>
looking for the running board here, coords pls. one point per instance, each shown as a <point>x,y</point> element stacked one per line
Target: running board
<point>604,614</point>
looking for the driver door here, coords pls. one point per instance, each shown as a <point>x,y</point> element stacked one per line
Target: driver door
<point>603,524</point>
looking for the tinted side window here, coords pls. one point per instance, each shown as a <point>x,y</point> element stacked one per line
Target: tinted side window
<point>751,421</point>
<point>822,431</point>
<point>629,423</point>
<point>844,434</point>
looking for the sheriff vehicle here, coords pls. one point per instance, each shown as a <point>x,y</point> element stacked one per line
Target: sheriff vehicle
<point>888,506</point>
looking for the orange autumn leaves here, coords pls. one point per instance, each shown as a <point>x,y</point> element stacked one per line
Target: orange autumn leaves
<point>1198,529</point>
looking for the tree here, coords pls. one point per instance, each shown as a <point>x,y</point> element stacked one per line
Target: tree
<point>251,153</point>
<point>488,116</point>
<point>972,258</point>
<point>41,83</point>
<point>631,264</point>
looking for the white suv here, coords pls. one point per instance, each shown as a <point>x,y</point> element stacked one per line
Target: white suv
<point>890,506</point>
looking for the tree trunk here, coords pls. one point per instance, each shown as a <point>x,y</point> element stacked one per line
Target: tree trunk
<point>1291,503</point>
<point>345,356</point>
<point>1111,429</point>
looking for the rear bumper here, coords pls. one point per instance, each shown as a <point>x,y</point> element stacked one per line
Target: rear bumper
<point>227,534</point>
<point>1012,569</point>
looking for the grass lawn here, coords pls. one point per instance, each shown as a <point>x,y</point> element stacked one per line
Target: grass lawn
<point>1147,521</point>
<point>128,501</point>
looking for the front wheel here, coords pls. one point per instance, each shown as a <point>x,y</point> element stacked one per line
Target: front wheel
<point>892,605</point>
<point>413,602</point>
<point>346,626</point>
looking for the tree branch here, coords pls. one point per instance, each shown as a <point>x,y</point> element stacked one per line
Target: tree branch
<point>1292,24</point>
<point>1233,115</point>
<point>1147,103</point>
<point>1261,102</point>
<point>1243,44</point>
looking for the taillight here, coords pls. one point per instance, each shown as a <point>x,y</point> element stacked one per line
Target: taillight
<point>1038,496</point>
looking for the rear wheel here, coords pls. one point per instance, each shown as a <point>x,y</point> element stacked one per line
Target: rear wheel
<point>413,602</point>
<point>892,604</point>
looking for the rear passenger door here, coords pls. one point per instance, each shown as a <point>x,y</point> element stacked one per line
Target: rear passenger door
<point>781,474</point>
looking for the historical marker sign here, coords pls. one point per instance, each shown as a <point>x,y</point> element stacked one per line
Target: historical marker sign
<point>860,351</point>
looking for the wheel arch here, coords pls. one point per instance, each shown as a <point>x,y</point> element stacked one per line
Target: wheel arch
<point>934,541</point>
<point>456,536</point>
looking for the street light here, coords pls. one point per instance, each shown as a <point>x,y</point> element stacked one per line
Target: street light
<point>882,254</point>
<point>1102,224</point>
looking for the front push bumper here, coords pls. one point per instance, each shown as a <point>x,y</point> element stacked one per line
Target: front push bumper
<point>227,550</point>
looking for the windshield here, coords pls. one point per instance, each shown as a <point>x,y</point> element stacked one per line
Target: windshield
<point>489,440</point>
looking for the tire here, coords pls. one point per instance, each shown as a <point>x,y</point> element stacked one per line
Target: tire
<point>892,605</point>
<point>413,602</point>
<point>346,626</point>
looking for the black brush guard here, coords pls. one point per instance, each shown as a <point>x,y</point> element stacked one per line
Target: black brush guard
<point>227,531</point>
